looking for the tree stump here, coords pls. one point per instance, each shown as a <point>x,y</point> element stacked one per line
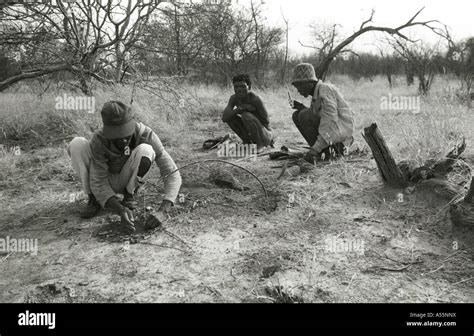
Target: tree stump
<point>470,193</point>
<point>387,166</point>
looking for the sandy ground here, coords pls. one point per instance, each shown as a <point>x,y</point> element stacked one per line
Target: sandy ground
<point>224,245</point>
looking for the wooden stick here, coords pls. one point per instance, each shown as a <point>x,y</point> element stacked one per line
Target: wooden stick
<point>401,269</point>
<point>172,235</point>
<point>6,257</point>
<point>457,283</point>
<point>165,246</point>
<point>214,160</point>
<point>383,157</point>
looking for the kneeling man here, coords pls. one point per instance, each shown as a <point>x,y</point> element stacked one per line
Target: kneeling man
<point>117,160</point>
<point>247,116</point>
<point>328,124</point>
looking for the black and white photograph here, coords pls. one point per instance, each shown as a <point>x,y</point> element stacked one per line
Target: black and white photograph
<point>241,153</point>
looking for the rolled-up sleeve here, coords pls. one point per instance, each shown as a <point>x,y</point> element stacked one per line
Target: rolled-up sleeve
<point>99,180</point>
<point>168,169</point>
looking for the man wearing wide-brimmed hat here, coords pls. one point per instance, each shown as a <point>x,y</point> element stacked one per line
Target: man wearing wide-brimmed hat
<point>117,161</point>
<point>328,124</point>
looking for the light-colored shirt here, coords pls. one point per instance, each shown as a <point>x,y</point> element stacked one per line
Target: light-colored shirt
<point>337,119</point>
<point>107,160</point>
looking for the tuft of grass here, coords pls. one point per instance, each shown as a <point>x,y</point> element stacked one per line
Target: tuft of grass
<point>279,295</point>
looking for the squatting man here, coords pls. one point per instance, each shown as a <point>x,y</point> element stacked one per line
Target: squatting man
<point>247,116</point>
<point>117,161</point>
<point>328,124</point>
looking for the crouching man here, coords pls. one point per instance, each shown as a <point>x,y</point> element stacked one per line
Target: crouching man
<point>247,116</point>
<point>117,160</point>
<point>328,124</point>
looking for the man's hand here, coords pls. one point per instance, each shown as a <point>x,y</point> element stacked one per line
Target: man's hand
<point>127,219</point>
<point>311,156</point>
<point>298,106</point>
<point>245,108</point>
<point>238,111</point>
<point>165,205</point>
<point>126,215</point>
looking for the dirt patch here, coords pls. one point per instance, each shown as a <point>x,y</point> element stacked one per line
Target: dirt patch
<point>54,293</point>
<point>245,247</point>
<point>270,203</point>
<point>114,232</point>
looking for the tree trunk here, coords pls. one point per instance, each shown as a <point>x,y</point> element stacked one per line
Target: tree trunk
<point>177,28</point>
<point>470,193</point>
<point>389,78</point>
<point>257,45</point>
<point>119,57</point>
<point>84,85</point>
<point>285,61</point>
<point>409,75</point>
<point>387,166</point>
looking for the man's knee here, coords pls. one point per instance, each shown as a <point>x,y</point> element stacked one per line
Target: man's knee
<point>77,145</point>
<point>231,121</point>
<point>305,116</point>
<point>145,150</point>
<point>144,167</point>
<point>295,117</point>
<point>249,118</point>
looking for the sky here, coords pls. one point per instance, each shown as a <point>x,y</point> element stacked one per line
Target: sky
<point>458,15</point>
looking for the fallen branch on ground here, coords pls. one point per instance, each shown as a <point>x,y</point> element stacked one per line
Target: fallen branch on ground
<point>401,269</point>
<point>457,283</point>
<point>397,261</point>
<point>165,246</point>
<point>172,235</point>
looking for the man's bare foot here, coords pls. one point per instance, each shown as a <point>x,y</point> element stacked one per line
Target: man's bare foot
<point>92,208</point>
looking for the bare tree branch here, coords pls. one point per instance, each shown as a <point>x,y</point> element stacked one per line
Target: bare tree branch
<point>32,74</point>
<point>324,65</point>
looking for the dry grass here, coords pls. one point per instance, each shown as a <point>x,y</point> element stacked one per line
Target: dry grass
<point>342,199</point>
<point>441,121</point>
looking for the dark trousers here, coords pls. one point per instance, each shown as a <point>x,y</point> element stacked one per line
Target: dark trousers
<point>308,124</point>
<point>250,129</point>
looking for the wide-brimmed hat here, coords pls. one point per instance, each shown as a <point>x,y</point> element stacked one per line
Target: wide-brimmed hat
<point>118,120</point>
<point>304,72</point>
